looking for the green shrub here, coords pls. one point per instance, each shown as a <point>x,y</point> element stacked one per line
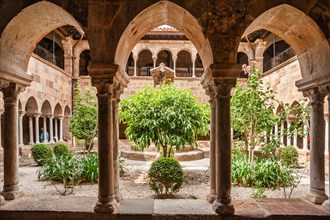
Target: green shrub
<point>242,170</point>
<point>42,153</point>
<point>90,168</point>
<point>166,176</point>
<point>61,149</point>
<point>289,156</point>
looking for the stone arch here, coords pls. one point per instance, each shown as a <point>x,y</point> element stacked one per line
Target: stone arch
<point>67,111</point>
<point>144,62</point>
<point>20,105</point>
<point>26,29</point>
<point>184,63</point>
<point>46,108</point>
<point>164,49</point>
<point>163,12</point>
<point>31,106</point>
<point>301,33</point>
<point>144,48</point>
<point>185,49</point>
<point>165,56</point>
<point>58,110</point>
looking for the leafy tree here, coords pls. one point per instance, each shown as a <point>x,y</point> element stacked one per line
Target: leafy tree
<point>165,116</point>
<point>252,109</point>
<point>83,122</point>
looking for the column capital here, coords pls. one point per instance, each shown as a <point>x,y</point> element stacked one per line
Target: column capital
<point>315,96</point>
<point>325,89</point>
<point>154,57</point>
<point>3,84</point>
<point>21,113</point>
<point>223,87</point>
<point>11,92</point>
<point>210,92</point>
<point>37,115</point>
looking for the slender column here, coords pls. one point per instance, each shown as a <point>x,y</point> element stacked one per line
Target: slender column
<point>56,128</point>
<point>31,129</point>
<point>154,58</point>
<point>317,175</point>
<point>193,67</point>
<point>61,128</point>
<point>45,128</point>
<point>326,90</point>
<point>1,111</point>
<point>20,127</point>
<point>305,138</point>
<point>288,136</point>
<point>116,101</point>
<point>326,151</point>
<point>106,198</point>
<point>174,65</point>
<point>212,195</point>
<point>282,133</point>
<point>51,136</point>
<point>37,116</point>
<point>295,139</point>
<point>222,204</point>
<point>135,61</point>
<point>10,177</point>
<point>276,129</point>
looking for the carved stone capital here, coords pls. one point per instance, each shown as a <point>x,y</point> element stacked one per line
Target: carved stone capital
<point>223,88</point>
<point>3,83</point>
<point>325,89</point>
<point>315,96</point>
<point>210,91</point>
<point>11,92</point>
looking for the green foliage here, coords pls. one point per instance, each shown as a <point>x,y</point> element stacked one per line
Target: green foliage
<point>42,153</point>
<point>252,109</point>
<point>262,173</point>
<point>70,170</point>
<point>90,168</point>
<point>61,149</point>
<point>289,156</point>
<point>83,122</point>
<point>122,169</point>
<point>165,116</point>
<point>166,176</point>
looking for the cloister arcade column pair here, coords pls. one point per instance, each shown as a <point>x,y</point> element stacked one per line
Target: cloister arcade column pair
<point>218,82</point>
<point>109,83</point>
<point>316,90</point>
<point>10,93</point>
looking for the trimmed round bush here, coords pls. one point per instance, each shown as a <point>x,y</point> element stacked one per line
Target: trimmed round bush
<point>61,149</point>
<point>166,176</point>
<point>42,153</point>
<point>289,156</point>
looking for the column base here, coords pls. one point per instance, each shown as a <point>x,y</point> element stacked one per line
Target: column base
<point>2,200</point>
<point>11,195</point>
<point>211,197</point>
<point>316,196</point>
<point>326,205</point>
<point>223,209</point>
<point>119,197</point>
<point>31,143</point>
<point>106,207</point>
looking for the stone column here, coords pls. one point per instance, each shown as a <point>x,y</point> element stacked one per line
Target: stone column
<point>51,136</point>
<point>10,178</point>
<point>193,67</point>
<point>276,129</point>
<point>174,64</point>
<point>295,139</point>
<point>104,84</point>
<point>222,204</point>
<point>326,142</point>
<point>31,129</point>
<point>20,128</point>
<point>116,100</point>
<point>317,175</point>
<point>56,128</point>
<point>326,90</point>
<point>135,61</point>
<point>44,118</point>
<point>288,136</point>
<point>61,128</point>
<point>212,195</point>
<point>154,58</point>
<point>305,138</point>
<point>37,116</point>
<point>282,133</point>
<point>1,112</point>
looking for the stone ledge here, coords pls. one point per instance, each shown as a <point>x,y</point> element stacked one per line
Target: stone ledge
<point>145,156</point>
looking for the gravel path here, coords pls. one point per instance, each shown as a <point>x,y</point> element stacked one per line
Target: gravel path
<point>134,183</point>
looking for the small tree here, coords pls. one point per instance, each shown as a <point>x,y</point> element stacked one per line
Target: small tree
<point>83,122</point>
<point>252,109</point>
<point>165,116</point>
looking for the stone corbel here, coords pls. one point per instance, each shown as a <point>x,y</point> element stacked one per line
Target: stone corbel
<point>11,92</point>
